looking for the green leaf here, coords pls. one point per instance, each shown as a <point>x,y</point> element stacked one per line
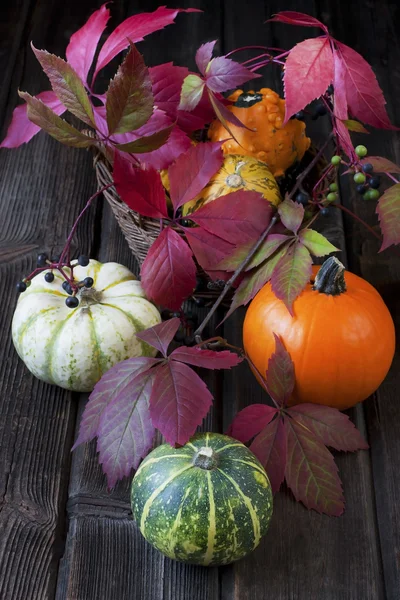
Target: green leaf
<point>291,214</point>
<point>388,210</point>
<point>271,244</point>
<point>353,125</point>
<point>129,97</point>
<point>292,274</point>
<point>316,243</point>
<point>63,132</point>
<point>66,85</point>
<point>191,92</point>
<point>147,143</point>
<point>381,164</point>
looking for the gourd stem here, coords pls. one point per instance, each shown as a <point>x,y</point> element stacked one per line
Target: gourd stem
<point>330,278</point>
<point>206,458</point>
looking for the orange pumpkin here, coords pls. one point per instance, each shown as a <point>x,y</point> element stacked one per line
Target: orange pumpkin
<point>341,338</point>
<point>271,142</point>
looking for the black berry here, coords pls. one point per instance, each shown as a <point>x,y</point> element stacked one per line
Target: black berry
<point>362,188</point>
<point>166,314</point>
<point>200,301</point>
<point>300,116</point>
<point>325,211</point>
<point>67,287</point>
<point>72,302</point>
<point>200,283</point>
<point>21,286</point>
<point>176,314</point>
<point>330,89</point>
<point>321,110</point>
<point>186,222</point>
<point>88,282</point>
<point>367,168</point>
<point>302,198</point>
<point>83,260</point>
<point>49,277</point>
<point>375,182</point>
<point>41,260</point>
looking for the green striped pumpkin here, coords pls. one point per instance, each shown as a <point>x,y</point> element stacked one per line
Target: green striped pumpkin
<point>207,503</point>
<point>74,347</point>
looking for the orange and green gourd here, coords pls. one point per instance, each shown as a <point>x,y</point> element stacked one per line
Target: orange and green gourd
<point>277,145</point>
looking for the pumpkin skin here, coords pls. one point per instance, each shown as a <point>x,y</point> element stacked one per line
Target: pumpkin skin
<point>277,145</point>
<point>341,346</point>
<point>211,514</point>
<point>73,348</point>
<point>237,173</point>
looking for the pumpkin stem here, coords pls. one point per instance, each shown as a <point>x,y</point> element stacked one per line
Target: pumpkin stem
<point>206,458</point>
<point>330,278</point>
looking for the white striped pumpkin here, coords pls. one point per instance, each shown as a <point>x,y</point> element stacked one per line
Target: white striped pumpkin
<point>207,503</point>
<point>74,347</point>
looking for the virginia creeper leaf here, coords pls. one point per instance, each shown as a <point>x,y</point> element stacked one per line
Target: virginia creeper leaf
<point>129,97</point>
<point>179,401</point>
<point>21,129</point>
<point>308,73</point>
<point>83,43</point>
<point>140,189</point>
<point>126,432</point>
<point>208,359</point>
<point>311,472</point>
<point>388,210</point>
<point>192,91</point>
<point>224,74</point>
<point>46,119</point>
<point>240,253</point>
<point>381,164</point>
<point>291,214</point>
<point>291,17</point>
<point>270,447</point>
<point>331,426</point>
<point>250,421</point>
<point>356,126</point>
<point>291,274</point>
<point>340,104</point>
<point>147,143</point>
<point>66,85</point>
<point>204,55</point>
<point>208,249</point>
<point>166,81</point>
<point>190,173</point>
<point>280,377</point>
<point>168,272</point>
<point>316,243</point>
<point>225,115</point>
<point>160,336</point>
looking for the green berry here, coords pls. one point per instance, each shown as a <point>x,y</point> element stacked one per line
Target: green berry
<point>371,194</point>
<point>331,197</point>
<point>361,151</point>
<point>336,160</point>
<point>359,178</point>
<point>333,187</point>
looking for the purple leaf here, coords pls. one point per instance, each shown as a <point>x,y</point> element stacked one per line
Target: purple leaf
<point>196,119</point>
<point>83,43</point>
<point>191,93</point>
<point>250,421</point>
<point>225,115</point>
<point>190,173</point>
<point>140,189</point>
<point>126,433</point>
<point>388,211</point>
<point>115,384</point>
<point>167,80</point>
<point>160,336</point>
<point>21,129</point>
<point>179,402</point>
<point>270,447</point>
<point>291,214</point>
<point>340,105</point>
<point>169,272</point>
<point>161,158</point>
<point>331,426</point>
<point>311,472</point>
<point>225,74</point>
<point>291,274</point>
<point>280,379</point>
<point>203,56</point>
<point>208,359</point>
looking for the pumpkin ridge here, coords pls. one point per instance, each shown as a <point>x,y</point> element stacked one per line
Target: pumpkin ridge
<point>211,521</point>
<point>249,464</point>
<point>147,350</point>
<point>123,280</point>
<point>97,353</point>
<point>228,446</point>
<point>175,525</point>
<point>152,461</point>
<point>54,339</point>
<point>31,320</point>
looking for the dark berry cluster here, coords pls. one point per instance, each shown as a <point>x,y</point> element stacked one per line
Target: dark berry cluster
<point>367,182</point>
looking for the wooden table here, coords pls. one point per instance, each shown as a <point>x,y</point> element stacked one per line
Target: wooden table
<point>62,534</point>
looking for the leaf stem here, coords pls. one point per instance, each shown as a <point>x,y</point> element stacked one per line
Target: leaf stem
<point>231,281</point>
<point>392,177</point>
<point>349,212</point>
<point>300,178</point>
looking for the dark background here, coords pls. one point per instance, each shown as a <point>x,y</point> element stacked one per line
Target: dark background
<point>61,534</point>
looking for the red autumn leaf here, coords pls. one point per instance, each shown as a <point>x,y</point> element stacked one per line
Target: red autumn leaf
<point>270,447</point>
<point>340,105</point>
<point>208,249</point>
<point>224,74</point>
<point>147,143</point>
<point>291,17</point>
<point>126,433</point>
<point>381,164</point>
<point>66,85</point>
<point>192,92</point>
<point>311,472</point>
<point>207,359</point>
<point>114,385</point>
<point>166,81</point>
<point>239,216</point>
<point>280,377</point>
<point>291,274</point>
<point>388,211</point>
<point>135,28</point>
<point>250,421</point>
<point>21,129</point>
<point>198,117</point>
<point>224,115</point>
<point>160,336</point>
<point>83,43</point>
<point>140,189</point>
<point>204,55</point>
<point>169,273</point>
<point>291,214</point>
<point>365,99</point>
<point>308,73</point>
<point>191,172</point>
<point>179,401</point>
<point>331,426</point>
